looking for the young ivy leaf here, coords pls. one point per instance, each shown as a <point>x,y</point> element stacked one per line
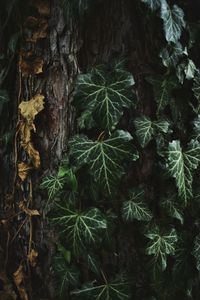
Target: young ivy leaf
<point>146,129</point>
<point>182,164</point>
<point>104,94</point>
<point>104,157</point>
<point>196,251</point>
<point>80,228</point>
<point>135,207</point>
<point>160,245</point>
<point>108,291</point>
<point>163,87</point>
<point>173,21</point>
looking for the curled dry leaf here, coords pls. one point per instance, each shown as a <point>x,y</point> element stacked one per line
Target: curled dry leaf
<point>28,211</point>
<point>18,277</point>
<point>23,170</point>
<point>32,257</point>
<point>29,109</point>
<point>30,65</point>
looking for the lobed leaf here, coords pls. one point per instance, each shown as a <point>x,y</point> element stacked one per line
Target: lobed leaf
<point>104,157</point>
<point>135,207</point>
<point>104,94</point>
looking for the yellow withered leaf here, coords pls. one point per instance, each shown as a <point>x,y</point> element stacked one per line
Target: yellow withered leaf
<point>28,211</point>
<point>18,277</point>
<point>33,154</point>
<point>23,170</point>
<point>29,109</point>
<point>32,257</point>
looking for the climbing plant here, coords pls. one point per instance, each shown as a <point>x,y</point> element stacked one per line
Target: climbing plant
<point>124,229</point>
<point>96,203</point>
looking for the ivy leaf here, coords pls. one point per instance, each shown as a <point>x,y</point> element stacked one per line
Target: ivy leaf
<point>135,207</point>
<point>3,97</point>
<point>53,184</point>
<point>173,21</point>
<point>104,157</point>
<point>145,129</point>
<point>105,94</point>
<point>171,54</point>
<point>186,69</point>
<point>66,276</point>
<point>161,244</point>
<point>108,291</point>
<point>163,87</point>
<point>93,263</point>
<point>80,228</point>
<point>196,127</point>
<point>182,164</point>
<point>196,251</point>
<point>196,86</point>
<point>171,208</point>
<point>153,4</point>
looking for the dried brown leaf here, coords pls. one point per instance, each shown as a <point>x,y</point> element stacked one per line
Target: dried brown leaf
<point>32,257</point>
<point>18,277</point>
<point>39,27</point>
<point>30,65</point>
<point>23,170</point>
<point>28,211</point>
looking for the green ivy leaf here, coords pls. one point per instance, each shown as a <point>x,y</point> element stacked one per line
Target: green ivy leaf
<point>161,244</point>
<point>172,208</point>
<point>93,263</point>
<point>53,184</point>
<point>171,55</point>
<point>104,157</point>
<point>108,291</point>
<point>182,164</point>
<point>173,21</point>
<point>66,276</point>
<point>196,86</point>
<point>146,129</point>
<point>153,4</point>
<point>163,87</point>
<point>3,97</point>
<point>135,207</point>
<point>105,94</point>
<point>196,251</point>
<point>80,228</point>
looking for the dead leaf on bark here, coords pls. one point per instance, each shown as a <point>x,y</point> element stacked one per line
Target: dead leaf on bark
<point>18,277</point>
<point>32,257</point>
<point>28,211</point>
<point>29,109</point>
<point>30,65</point>
<point>39,27</point>
<point>23,170</point>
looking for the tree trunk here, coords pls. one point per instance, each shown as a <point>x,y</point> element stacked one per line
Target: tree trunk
<point>51,55</point>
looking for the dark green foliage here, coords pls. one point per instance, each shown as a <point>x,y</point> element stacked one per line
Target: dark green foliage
<point>127,232</point>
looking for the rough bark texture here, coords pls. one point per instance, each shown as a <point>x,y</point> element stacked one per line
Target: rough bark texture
<point>113,29</point>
